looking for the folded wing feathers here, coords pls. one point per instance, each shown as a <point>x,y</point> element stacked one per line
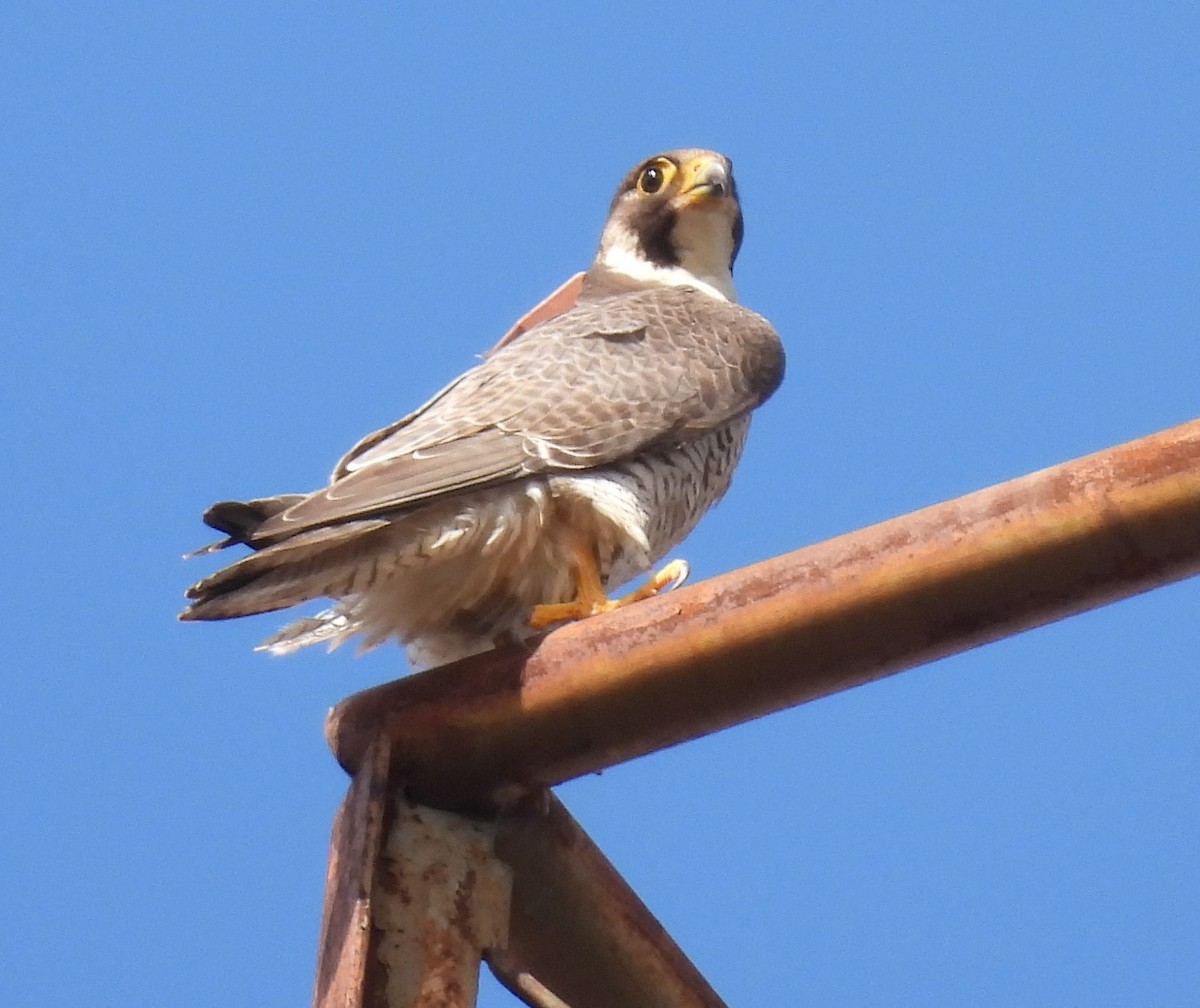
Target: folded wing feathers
<point>596,384</point>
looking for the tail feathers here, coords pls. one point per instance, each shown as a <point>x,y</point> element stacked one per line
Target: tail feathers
<point>331,627</point>
<point>336,625</point>
<point>239,520</point>
<point>324,561</point>
<point>212,547</point>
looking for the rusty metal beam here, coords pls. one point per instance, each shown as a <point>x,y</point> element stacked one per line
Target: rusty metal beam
<point>344,948</point>
<point>413,897</point>
<point>578,935</point>
<point>440,898</point>
<point>790,629</point>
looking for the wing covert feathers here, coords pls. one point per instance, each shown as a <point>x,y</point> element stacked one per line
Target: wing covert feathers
<point>601,382</point>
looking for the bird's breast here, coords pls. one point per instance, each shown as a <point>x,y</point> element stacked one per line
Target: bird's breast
<point>633,511</point>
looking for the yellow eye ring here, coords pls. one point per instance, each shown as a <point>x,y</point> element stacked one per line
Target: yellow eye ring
<point>654,176</point>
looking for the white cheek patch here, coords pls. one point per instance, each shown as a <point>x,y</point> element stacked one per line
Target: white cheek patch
<point>704,256</point>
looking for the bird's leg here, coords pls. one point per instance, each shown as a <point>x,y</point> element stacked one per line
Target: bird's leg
<point>589,592</point>
<point>590,599</point>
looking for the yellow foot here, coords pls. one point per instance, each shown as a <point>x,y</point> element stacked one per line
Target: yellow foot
<point>670,577</point>
<point>590,600</point>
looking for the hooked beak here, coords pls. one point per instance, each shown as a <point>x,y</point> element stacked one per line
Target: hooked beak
<point>704,178</point>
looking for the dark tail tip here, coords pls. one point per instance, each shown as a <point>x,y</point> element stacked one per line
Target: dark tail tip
<point>241,520</point>
<point>237,519</point>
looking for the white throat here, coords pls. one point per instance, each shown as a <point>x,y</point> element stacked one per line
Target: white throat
<point>704,244</point>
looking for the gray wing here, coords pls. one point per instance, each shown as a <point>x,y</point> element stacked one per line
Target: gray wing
<point>601,382</point>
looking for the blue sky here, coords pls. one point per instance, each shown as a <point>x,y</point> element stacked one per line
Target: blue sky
<point>237,237</point>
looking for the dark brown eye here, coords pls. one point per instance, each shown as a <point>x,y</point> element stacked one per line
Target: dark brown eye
<point>654,176</point>
<point>652,180</point>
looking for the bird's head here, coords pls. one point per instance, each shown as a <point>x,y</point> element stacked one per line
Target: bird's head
<point>675,221</point>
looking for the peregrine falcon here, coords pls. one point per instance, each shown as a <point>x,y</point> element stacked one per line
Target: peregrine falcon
<point>569,461</point>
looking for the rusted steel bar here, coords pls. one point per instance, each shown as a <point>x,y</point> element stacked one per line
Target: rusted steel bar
<point>578,934</point>
<point>440,897</point>
<point>344,950</point>
<point>413,896</point>
<point>790,629</point>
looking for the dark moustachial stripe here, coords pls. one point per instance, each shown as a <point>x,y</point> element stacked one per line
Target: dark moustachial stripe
<point>652,225</point>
